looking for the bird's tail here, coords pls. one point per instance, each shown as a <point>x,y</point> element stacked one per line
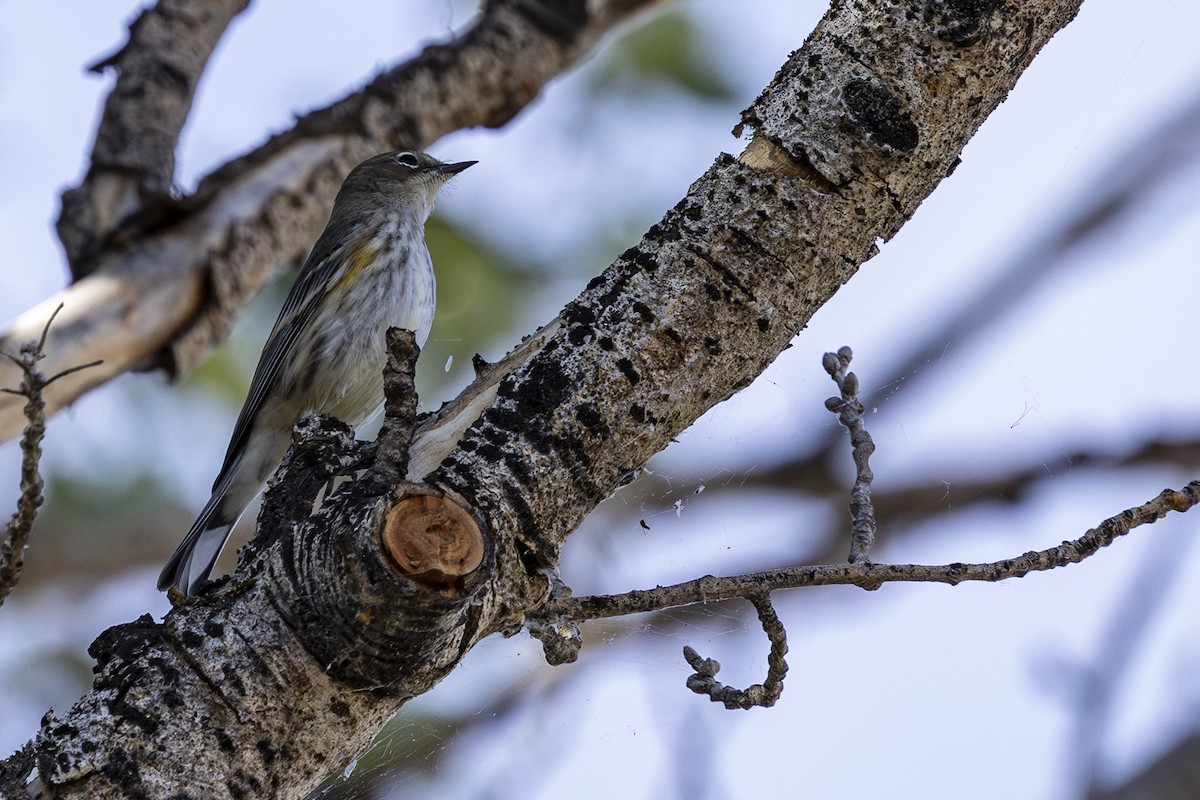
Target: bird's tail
<point>197,553</point>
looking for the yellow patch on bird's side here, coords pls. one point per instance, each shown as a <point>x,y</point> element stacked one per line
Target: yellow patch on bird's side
<point>362,255</point>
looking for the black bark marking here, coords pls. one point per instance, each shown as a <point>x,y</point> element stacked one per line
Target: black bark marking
<point>881,114</point>
<point>562,19</point>
<point>631,374</point>
<point>591,419</point>
<point>960,22</point>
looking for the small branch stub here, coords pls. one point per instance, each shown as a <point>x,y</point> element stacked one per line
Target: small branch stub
<point>432,539</point>
<point>399,406</point>
<point>560,636</point>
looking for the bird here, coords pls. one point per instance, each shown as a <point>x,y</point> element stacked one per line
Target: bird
<point>369,270</point>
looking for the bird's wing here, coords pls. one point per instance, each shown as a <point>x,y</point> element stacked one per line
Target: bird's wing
<point>306,296</point>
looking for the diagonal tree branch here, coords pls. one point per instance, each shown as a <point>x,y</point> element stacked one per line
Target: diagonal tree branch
<point>849,138</point>
<point>167,300</point>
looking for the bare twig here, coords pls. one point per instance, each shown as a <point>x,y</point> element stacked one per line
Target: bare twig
<point>399,406</point>
<point>872,576</point>
<point>16,533</point>
<point>760,694</point>
<point>562,610</point>
<point>849,411</point>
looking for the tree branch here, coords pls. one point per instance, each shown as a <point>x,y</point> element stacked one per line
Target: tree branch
<point>133,158</point>
<point>324,636</point>
<point>721,284</point>
<point>871,576</point>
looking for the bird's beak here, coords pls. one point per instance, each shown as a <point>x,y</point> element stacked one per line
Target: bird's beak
<point>455,168</point>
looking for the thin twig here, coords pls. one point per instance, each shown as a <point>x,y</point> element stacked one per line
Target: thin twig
<point>563,610</point>
<point>872,576</point>
<point>16,533</point>
<point>850,411</point>
<point>762,694</point>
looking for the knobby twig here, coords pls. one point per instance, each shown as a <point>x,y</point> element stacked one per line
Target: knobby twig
<point>399,406</point>
<point>560,636</point>
<point>563,612</point>
<point>760,694</point>
<point>849,411</point>
<point>862,535</point>
<point>16,533</point>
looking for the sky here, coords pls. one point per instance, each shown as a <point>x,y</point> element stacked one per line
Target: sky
<point>909,688</point>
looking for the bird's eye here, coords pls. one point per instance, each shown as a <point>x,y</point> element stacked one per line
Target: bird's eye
<point>407,160</point>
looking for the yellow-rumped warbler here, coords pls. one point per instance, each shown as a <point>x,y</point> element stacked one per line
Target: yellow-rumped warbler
<point>369,271</point>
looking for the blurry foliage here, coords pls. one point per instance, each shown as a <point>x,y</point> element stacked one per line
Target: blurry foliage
<point>96,526</point>
<point>481,301</point>
<point>668,49</point>
<point>222,374</point>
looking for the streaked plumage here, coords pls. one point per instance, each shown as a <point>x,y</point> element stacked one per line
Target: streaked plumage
<point>368,271</point>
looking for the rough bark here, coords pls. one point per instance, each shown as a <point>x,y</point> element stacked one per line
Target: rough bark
<point>133,159</point>
<point>285,672</point>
